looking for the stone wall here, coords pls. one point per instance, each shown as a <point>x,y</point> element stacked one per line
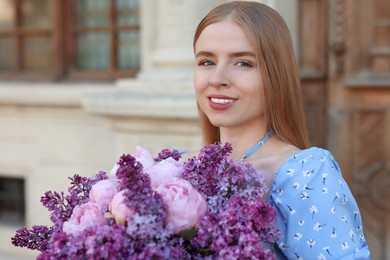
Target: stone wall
<point>50,131</point>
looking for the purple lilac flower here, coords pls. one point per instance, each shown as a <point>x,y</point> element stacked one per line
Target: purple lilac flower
<point>61,208</point>
<point>201,170</point>
<point>238,224</point>
<point>146,229</point>
<point>166,153</point>
<point>218,177</point>
<point>239,231</point>
<point>36,238</point>
<point>140,196</point>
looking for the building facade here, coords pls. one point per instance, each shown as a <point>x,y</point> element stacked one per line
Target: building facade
<point>82,82</point>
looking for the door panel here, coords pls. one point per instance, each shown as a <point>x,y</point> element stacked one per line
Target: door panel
<point>348,78</point>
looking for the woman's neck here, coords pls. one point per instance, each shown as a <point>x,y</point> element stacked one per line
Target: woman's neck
<point>242,139</point>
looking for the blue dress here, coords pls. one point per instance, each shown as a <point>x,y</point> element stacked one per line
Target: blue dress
<point>316,212</point>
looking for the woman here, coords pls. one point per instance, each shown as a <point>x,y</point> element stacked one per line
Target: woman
<point>247,87</point>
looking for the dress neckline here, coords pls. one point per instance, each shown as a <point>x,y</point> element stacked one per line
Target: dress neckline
<point>257,145</point>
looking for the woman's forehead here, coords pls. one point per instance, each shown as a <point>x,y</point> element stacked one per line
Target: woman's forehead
<point>223,34</point>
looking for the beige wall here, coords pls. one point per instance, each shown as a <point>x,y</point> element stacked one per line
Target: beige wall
<point>51,131</point>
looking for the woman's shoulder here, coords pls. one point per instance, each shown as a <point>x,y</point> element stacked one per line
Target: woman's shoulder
<point>309,168</point>
<point>308,159</point>
<point>313,153</point>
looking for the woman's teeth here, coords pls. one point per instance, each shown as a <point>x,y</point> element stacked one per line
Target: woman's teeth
<point>221,100</point>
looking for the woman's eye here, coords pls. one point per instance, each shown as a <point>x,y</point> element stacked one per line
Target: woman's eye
<point>244,64</point>
<point>206,63</point>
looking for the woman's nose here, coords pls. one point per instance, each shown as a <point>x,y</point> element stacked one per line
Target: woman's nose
<point>219,78</point>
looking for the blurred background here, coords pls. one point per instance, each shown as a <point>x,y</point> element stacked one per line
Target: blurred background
<point>84,81</point>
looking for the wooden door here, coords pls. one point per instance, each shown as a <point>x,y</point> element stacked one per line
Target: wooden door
<point>345,64</point>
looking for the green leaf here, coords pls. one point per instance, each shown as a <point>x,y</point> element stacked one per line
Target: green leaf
<point>188,234</point>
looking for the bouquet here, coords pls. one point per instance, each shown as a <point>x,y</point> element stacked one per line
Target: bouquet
<point>206,207</point>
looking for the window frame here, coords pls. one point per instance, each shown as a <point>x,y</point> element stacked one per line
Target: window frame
<point>64,35</point>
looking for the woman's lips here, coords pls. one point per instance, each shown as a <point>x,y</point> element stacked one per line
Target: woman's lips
<point>218,102</point>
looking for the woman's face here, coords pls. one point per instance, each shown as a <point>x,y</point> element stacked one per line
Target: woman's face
<point>227,78</point>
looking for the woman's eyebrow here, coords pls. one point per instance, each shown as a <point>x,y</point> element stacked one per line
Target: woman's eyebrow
<point>233,54</point>
<point>242,54</point>
<point>204,54</point>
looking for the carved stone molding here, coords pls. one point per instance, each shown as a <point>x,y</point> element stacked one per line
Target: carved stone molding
<point>338,33</point>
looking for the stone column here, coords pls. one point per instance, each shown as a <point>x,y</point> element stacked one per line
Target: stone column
<point>167,33</point>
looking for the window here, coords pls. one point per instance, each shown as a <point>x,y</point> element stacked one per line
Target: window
<point>12,205</point>
<point>73,39</point>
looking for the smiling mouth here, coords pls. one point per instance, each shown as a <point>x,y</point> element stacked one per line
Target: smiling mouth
<point>221,100</point>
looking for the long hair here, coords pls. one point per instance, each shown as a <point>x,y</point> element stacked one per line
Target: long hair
<point>272,45</point>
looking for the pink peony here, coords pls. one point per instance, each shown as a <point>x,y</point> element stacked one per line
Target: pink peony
<point>141,155</point>
<point>83,216</point>
<point>144,157</point>
<point>118,208</point>
<point>102,193</point>
<point>114,170</point>
<point>186,206</point>
<point>165,170</point>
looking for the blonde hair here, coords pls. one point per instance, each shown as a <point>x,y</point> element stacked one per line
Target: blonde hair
<point>271,41</point>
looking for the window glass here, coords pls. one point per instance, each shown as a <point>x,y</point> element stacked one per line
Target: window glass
<point>92,12</point>
<point>36,14</point>
<point>37,53</point>
<point>127,12</point>
<point>128,51</point>
<point>7,54</point>
<point>93,51</point>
